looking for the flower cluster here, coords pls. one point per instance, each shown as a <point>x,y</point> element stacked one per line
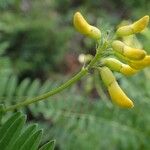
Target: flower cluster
<point>121,57</point>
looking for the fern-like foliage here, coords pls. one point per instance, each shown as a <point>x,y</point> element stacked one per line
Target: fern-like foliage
<point>84,123</point>
<point>14,92</point>
<point>14,135</point>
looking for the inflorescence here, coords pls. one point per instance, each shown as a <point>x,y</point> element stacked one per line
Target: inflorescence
<point>115,55</point>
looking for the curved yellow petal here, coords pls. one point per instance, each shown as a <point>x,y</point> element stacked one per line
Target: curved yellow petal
<point>107,76</point>
<point>119,97</point>
<point>112,63</point>
<point>127,70</point>
<point>134,53</point>
<point>83,27</point>
<point>129,52</point>
<point>136,27</point>
<point>118,66</point>
<point>125,30</point>
<point>141,64</point>
<point>141,24</point>
<point>115,92</point>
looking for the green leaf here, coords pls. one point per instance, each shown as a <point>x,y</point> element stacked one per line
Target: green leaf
<point>48,146</point>
<point>13,136</point>
<point>3,81</point>
<point>7,124</point>
<point>23,87</point>
<point>12,133</point>
<point>1,111</point>
<point>33,142</point>
<point>33,89</point>
<point>11,87</point>
<point>24,136</point>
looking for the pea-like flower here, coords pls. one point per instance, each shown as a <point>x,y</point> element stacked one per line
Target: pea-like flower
<point>129,52</point>
<point>116,93</point>
<point>118,66</point>
<point>84,27</point>
<point>122,54</point>
<point>136,27</point>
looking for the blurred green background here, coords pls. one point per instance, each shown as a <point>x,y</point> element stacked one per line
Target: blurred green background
<point>39,50</point>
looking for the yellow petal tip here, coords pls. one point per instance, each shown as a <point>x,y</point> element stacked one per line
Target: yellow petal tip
<point>84,27</point>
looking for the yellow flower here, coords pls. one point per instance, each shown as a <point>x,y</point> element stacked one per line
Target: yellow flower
<point>136,27</point>
<point>141,64</point>
<point>107,76</point>
<point>116,93</point>
<point>125,30</point>
<point>83,27</point>
<point>118,96</point>
<point>127,70</point>
<point>118,66</point>
<point>141,24</point>
<point>129,52</point>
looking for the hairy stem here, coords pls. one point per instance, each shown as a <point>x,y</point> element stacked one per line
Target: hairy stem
<point>77,77</point>
<point>48,94</point>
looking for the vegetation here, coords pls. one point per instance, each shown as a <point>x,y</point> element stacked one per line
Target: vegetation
<point>40,50</point>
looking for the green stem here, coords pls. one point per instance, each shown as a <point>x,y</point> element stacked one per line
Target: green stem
<point>77,77</point>
<point>98,55</point>
<point>48,94</point>
<point>94,60</point>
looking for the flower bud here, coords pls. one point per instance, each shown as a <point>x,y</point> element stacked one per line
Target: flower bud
<point>141,64</point>
<point>127,70</point>
<point>125,30</point>
<point>84,58</point>
<point>107,76</point>
<point>118,66</point>
<point>83,27</point>
<point>115,92</point>
<point>129,52</point>
<point>141,24</point>
<point>136,27</point>
<point>119,97</point>
<point>112,63</point>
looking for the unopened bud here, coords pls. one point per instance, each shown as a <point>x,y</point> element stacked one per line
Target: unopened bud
<point>116,93</point>
<point>141,64</point>
<point>129,52</point>
<point>84,58</point>
<point>84,27</point>
<point>118,66</point>
<point>136,27</point>
<point>107,76</point>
